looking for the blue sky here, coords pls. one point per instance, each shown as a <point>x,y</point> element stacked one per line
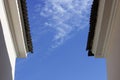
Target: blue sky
<point>59,30</point>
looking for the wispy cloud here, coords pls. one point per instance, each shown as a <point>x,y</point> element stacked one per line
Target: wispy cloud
<point>65,17</point>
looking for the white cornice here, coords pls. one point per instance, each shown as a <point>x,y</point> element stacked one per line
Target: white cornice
<point>15,26</point>
<point>98,25</point>
<point>105,23</point>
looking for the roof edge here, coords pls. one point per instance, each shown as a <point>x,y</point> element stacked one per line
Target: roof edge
<point>26,26</point>
<point>93,21</point>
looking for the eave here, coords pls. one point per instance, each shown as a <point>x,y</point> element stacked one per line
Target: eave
<point>26,27</point>
<point>100,40</point>
<point>18,26</point>
<point>93,21</point>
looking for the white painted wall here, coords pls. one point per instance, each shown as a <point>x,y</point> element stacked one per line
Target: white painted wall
<point>8,50</point>
<point>113,55</point>
<point>5,65</point>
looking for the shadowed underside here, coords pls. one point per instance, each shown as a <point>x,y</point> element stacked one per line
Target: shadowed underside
<point>93,20</point>
<point>26,25</point>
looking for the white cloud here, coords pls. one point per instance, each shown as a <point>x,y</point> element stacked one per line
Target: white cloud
<point>65,16</point>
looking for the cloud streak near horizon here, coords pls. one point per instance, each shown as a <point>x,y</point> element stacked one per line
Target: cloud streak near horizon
<point>64,17</point>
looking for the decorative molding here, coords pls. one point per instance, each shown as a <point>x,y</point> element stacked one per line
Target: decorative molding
<point>104,27</point>
<point>15,26</point>
<point>98,25</point>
